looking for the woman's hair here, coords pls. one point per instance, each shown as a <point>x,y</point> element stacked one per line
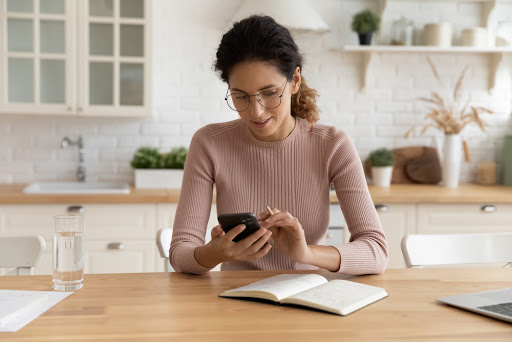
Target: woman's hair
<point>261,38</point>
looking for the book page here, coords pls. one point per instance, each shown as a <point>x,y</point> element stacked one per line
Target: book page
<point>280,286</point>
<point>18,308</point>
<point>338,296</point>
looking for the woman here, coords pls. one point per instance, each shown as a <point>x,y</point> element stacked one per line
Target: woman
<point>273,155</point>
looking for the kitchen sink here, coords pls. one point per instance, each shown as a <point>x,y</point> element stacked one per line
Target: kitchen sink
<point>76,188</point>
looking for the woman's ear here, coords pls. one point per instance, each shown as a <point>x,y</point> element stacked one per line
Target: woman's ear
<point>295,84</point>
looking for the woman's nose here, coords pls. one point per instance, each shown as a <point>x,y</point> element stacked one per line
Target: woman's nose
<point>256,108</point>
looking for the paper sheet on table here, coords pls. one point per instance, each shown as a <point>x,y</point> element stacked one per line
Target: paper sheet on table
<point>18,308</point>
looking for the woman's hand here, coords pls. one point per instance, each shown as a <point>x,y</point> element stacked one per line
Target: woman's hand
<point>287,234</point>
<point>222,248</point>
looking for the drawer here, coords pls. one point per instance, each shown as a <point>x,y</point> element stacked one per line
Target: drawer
<point>127,221</point>
<point>334,236</point>
<point>464,218</point>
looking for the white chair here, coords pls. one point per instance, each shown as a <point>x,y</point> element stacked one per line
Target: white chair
<point>21,252</point>
<point>451,249</point>
<point>163,241</point>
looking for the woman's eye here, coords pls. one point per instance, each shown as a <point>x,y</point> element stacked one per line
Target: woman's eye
<point>268,93</point>
<point>239,96</point>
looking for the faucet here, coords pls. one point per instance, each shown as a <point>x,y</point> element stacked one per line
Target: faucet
<point>80,173</point>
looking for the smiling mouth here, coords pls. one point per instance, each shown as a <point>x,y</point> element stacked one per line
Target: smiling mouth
<point>261,122</point>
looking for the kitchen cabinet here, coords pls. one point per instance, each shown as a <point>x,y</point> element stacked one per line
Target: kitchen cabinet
<point>397,221</point>
<point>67,57</point>
<point>165,219</point>
<point>464,218</point>
<point>118,237</point>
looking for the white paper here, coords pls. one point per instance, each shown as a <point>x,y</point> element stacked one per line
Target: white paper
<point>18,308</point>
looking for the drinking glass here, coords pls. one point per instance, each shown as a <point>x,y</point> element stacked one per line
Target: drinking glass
<point>68,252</point>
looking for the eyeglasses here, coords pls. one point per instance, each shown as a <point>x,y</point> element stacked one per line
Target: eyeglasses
<point>266,98</point>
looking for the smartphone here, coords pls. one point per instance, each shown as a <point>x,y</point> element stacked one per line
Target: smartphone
<point>230,221</point>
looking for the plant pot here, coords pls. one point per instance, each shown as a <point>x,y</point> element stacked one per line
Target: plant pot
<point>452,158</point>
<point>158,179</point>
<point>365,38</point>
<point>381,176</point>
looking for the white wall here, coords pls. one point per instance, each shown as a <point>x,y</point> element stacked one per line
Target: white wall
<point>188,95</point>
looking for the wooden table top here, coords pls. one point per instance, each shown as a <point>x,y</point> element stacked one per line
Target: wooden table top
<point>179,307</point>
<point>396,193</point>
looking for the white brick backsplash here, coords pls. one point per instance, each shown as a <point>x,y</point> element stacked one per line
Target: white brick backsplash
<point>187,94</point>
<point>18,168</point>
<point>34,154</point>
<point>117,154</point>
<point>160,129</point>
<point>183,117</point>
<point>116,128</point>
<point>138,141</point>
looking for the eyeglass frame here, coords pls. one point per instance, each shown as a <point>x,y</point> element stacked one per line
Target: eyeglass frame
<point>257,98</point>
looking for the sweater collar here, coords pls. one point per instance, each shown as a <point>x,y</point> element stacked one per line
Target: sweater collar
<point>299,124</point>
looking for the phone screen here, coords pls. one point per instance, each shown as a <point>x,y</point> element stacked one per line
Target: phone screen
<point>230,221</point>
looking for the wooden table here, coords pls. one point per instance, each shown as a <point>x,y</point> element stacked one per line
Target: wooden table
<point>179,307</point>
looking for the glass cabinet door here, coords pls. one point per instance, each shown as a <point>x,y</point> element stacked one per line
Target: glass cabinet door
<point>115,35</point>
<point>38,61</point>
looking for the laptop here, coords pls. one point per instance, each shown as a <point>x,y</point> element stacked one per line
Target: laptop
<point>496,304</point>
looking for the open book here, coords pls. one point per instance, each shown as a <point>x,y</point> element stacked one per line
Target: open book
<point>340,297</point>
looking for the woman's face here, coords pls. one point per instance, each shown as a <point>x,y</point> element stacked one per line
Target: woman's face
<point>250,78</point>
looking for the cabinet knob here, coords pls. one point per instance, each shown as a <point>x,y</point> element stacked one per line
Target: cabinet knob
<point>488,208</point>
<point>381,207</point>
<point>115,245</point>
<point>76,209</point>
<point>329,236</point>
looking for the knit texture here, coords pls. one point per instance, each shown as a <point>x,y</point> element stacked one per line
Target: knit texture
<point>293,174</point>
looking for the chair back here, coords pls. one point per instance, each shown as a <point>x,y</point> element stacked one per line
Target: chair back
<point>451,249</point>
<point>163,241</point>
<point>21,252</point>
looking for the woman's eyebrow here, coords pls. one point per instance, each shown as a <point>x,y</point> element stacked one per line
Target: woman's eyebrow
<point>265,87</point>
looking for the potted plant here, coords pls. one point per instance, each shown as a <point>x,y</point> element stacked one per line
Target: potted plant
<point>450,115</point>
<point>381,162</point>
<point>156,170</point>
<point>365,23</point>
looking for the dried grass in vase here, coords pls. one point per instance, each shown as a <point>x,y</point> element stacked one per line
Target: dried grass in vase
<point>447,115</point>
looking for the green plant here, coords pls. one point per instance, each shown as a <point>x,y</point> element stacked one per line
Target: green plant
<point>146,158</point>
<point>365,22</point>
<point>175,159</point>
<point>381,157</point>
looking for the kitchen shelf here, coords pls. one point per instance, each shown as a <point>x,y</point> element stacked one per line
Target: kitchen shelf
<point>498,57</point>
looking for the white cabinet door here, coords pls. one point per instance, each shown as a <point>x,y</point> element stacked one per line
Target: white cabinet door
<point>165,219</point>
<point>37,63</point>
<point>397,220</point>
<point>118,256</point>
<point>115,58</point>
<point>84,57</point>
<point>124,234</point>
<point>464,218</point>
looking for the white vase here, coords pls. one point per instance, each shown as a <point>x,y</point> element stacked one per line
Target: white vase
<point>381,175</point>
<point>452,158</point>
<point>158,179</point>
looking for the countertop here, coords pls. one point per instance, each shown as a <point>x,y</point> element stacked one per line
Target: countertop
<point>398,193</point>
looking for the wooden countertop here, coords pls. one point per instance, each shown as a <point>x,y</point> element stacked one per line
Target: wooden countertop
<point>179,307</point>
<point>400,193</point>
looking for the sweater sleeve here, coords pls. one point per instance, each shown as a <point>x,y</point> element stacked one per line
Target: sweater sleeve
<point>366,252</point>
<point>194,206</point>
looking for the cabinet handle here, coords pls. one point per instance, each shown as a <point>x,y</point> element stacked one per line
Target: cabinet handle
<point>329,236</point>
<point>115,245</point>
<point>76,209</point>
<point>488,208</point>
<point>381,207</point>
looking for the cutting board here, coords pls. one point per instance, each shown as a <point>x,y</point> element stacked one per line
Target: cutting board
<point>415,164</point>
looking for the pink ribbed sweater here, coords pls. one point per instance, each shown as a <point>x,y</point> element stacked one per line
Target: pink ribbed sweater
<point>293,174</point>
